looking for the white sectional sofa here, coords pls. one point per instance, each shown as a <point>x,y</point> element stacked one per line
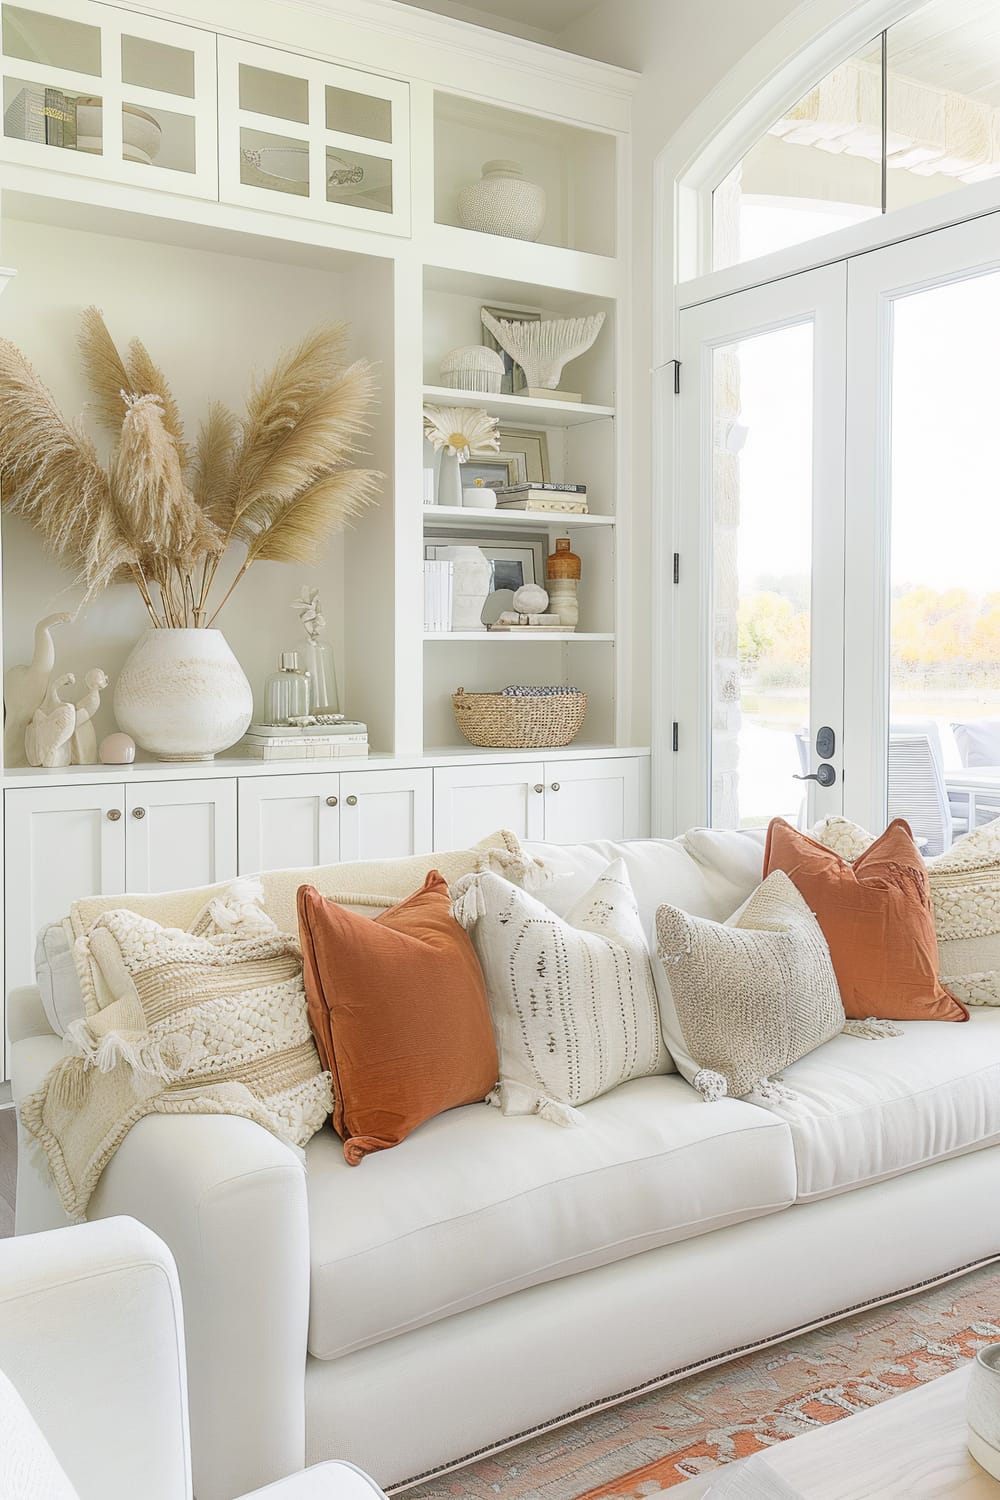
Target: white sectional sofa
<point>494,1275</point>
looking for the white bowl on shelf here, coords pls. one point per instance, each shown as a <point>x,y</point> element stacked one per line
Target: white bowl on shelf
<point>142,135</point>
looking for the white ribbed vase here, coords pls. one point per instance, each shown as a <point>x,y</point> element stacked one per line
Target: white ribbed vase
<point>503,202</point>
<point>182,695</point>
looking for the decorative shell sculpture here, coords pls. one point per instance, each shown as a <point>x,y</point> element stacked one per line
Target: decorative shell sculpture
<point>542,349</point>
<point>461,431</point>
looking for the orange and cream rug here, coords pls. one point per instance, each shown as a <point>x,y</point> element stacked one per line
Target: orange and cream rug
<point>646,1446</point>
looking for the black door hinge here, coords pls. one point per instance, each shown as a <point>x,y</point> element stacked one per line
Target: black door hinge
<point>675,735</point>
<point>677,567</point>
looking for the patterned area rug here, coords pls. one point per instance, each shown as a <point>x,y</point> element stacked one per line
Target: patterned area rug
<point>646,1446</point>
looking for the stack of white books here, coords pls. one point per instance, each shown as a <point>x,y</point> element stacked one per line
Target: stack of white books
<point>438,585</point>
<point>317,741</point>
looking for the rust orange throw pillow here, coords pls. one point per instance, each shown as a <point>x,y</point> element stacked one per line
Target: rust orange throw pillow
<point>877,918</point>
<point>399,1012</point>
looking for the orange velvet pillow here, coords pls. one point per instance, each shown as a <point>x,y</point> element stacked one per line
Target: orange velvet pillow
<point>877,918</point>
<point>399,1012</point>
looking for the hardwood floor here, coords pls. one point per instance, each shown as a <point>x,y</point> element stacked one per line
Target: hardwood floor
<point>8,1170</point>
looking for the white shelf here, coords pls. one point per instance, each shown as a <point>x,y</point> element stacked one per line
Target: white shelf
<point>470,516</point>
<point>533,413</point>
<point>520,635</point>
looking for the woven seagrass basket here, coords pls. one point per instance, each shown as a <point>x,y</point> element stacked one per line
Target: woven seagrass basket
<point>499,721</point>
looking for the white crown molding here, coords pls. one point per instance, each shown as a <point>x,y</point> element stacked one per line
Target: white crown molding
<point>443,37</point>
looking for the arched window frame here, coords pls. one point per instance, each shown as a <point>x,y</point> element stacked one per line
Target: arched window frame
<point>790,60</point>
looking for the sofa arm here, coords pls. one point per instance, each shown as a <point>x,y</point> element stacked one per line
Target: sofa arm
<point>91,1336</point>
<point>229,1199</point>
<point>330,1481</point>
<point>26,1014</point>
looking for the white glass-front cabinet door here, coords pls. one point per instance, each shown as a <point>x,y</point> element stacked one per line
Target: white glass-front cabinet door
<point>60,843</point>
<point>386,814</point>
<point>179,834</point>
<point>288,821</point>
<point>473,801</point>
<point>592,799</point>
<point>107,93</point>
<point>300,136</point>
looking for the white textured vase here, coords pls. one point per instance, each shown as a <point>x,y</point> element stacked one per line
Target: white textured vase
<point>503,202</point>
<point>182,695</point>
<point>472,576</point>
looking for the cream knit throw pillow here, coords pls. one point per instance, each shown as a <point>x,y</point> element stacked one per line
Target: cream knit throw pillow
<point>965,895</point>
<point>573,1002</point>
<point>748,996</point>
<point>207,1021</point>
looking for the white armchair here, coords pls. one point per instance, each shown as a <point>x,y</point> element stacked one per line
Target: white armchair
<point>93,1387</point>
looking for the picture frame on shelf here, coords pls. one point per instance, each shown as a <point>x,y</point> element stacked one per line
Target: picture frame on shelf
<point>495,469</point>
<point>514,379</point>
<point>514,563</point>
<point>532,445</point>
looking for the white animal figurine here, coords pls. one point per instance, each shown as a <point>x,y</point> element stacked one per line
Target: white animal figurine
<point>48,736</point>
<point>24,690</point>
<point>83,747</point>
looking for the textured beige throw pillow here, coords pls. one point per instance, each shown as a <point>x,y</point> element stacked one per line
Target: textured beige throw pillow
<point>965,895</point>
<point>572,1000</point>
<point>748,996</point>
<point>212,1020</point>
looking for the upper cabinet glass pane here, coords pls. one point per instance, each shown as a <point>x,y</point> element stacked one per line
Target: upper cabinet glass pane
<point>943,99</point>
<point>277,94</point>
<point>51,40</point>
<point>358,114</point>
<point>817,169</point>
<point>153,65</point>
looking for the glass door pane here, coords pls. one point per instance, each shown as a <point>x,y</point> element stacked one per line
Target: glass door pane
<point>762,566</point>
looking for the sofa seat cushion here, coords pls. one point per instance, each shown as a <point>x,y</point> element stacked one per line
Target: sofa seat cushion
<point>476,1204</point>
<point>866,1110</point>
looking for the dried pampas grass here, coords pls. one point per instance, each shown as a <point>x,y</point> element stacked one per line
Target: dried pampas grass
<point>279,482</point>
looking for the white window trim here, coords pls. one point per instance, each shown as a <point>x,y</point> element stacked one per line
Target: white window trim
<point>767,81</point>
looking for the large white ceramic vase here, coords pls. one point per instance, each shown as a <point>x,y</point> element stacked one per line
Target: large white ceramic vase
<point>182,695</point>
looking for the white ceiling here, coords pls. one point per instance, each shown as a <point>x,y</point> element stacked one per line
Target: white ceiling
<point>539,15</point>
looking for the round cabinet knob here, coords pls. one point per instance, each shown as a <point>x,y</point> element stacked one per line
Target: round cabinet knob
<point>555,786</point>
<point>331,801</point>
<point>114,813</point>
<point>539,787</point>
<point>352,801</point>
<point>138,812</point>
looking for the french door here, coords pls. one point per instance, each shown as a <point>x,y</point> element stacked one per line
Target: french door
<point>838,603</point>
<point>760,568</point>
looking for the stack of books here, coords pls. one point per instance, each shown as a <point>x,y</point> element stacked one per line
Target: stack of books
<point>305,742</point>
<point>45,116</point>
<point>438,585</point>
<point>562,499</point>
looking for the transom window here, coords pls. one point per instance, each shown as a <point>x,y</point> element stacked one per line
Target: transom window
<point>912,116</point>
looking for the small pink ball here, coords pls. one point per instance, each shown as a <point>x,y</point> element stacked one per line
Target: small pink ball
<point>117,750</point>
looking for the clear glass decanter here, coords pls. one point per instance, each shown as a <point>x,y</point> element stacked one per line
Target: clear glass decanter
<point>286,692</point>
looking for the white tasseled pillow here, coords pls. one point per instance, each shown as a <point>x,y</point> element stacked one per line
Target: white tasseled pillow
<point>572,999</point>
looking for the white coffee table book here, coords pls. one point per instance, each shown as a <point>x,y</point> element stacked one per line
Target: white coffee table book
<point>911,1447</point>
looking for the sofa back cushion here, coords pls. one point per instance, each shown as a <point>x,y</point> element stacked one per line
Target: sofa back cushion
<point>978,741</point>
<point>398,1010</point>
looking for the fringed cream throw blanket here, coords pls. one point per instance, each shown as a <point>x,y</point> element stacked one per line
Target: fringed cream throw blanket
<point>211,1020</point>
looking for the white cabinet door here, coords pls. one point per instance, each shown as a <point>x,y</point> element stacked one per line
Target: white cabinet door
<point>386,814</point>
<point>60,843</point>
<point>472,801</point>
<point>306,137</point>
<point>179,834</point>
<point>288,821</point>
<point>131,98</point>
<point>591,799</point>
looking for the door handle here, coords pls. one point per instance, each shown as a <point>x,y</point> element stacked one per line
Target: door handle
<point>331,801</point>
<point>824,774</point>
<point>114,813</point>
<point>138,812</point>
<point>352,801</point>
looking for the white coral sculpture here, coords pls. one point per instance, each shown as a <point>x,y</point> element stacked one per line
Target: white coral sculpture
<point>542,349</point>
<point>309,611</point>
<point>461,431</point>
